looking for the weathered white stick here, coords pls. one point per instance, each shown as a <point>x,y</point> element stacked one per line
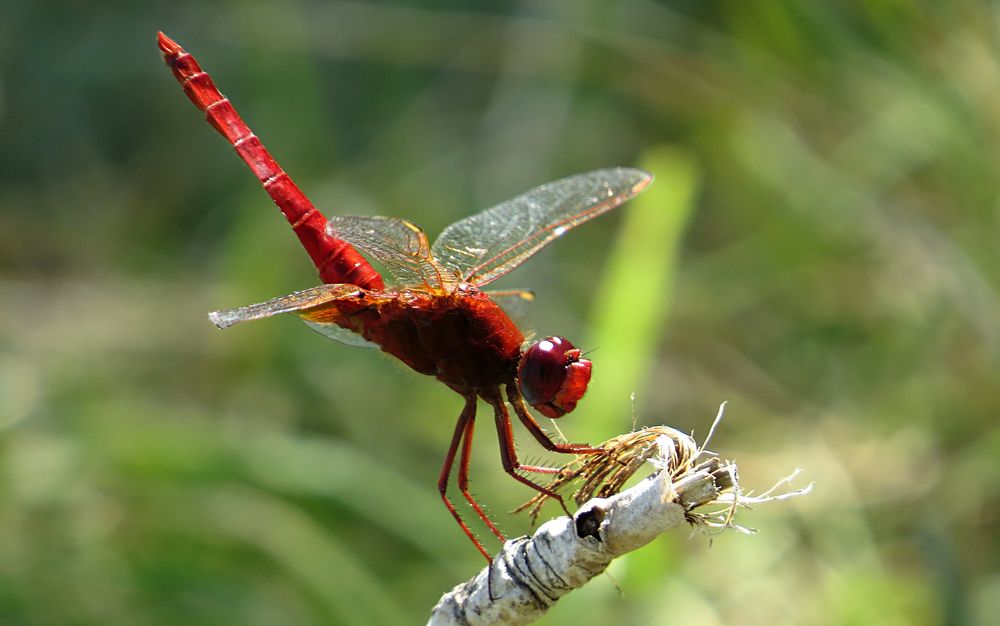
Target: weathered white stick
<point>531,573</point>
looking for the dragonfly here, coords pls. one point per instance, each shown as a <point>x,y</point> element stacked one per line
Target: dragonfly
<point>433,314</point>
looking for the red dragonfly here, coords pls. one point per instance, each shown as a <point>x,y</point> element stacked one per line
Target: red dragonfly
<point>436,318</point>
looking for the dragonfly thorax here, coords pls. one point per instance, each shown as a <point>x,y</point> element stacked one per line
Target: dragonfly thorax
<point>553,376</point>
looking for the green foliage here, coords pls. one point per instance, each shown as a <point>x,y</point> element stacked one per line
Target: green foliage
<point>819,249</point>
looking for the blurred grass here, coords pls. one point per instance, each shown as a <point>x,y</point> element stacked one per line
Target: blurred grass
<point>820,250</point>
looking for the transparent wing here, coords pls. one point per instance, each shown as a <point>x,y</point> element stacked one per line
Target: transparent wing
<point>313,305</point>
<point>399,245</point>
<point>514,302</point>
<point>487,245</point>
<point>339,334</point>
<point>298,301</point>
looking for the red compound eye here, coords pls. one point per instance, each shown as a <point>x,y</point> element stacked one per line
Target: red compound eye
<point>553,377</point>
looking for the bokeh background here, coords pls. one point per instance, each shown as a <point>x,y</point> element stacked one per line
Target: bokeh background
<point>820,249</point>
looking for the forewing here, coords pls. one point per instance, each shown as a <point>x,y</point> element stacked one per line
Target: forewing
<point>308,304</point>
<point>514,302</point>
<point>399,245</point>
<point>293,302</point>
<point>487,245</point>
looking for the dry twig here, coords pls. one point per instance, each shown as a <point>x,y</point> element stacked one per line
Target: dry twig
<point>531,573</point>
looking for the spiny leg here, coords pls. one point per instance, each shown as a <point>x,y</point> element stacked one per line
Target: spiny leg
<point>508,453</point>
<point>463,477</point>
<point>517,401</point>
<point>467,416</point>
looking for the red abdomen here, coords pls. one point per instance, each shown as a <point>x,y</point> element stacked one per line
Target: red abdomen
<point>336,260</point>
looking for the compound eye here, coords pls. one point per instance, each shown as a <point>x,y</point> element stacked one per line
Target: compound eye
<point>553,377</point>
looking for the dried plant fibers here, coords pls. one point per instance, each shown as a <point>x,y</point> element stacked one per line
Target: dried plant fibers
<point>690,486</point>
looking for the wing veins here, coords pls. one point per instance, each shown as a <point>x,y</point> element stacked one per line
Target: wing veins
<point>292,303</point>
<point>526,242</point>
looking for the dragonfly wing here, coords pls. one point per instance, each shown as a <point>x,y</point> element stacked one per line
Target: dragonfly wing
<point>292,303</point>
<point>399,245</point>
<point>487,245</point>
<point>515,303</point>
<point>312,305</point>
<point>339,334</point>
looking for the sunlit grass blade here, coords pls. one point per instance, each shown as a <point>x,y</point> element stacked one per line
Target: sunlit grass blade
<point>633,300</point>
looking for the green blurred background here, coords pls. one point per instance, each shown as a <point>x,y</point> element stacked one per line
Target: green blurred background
<point>819,249</point>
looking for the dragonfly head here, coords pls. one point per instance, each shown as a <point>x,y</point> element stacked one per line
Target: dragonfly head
<point>553,376</point>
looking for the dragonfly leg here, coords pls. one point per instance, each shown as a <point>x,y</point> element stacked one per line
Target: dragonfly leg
<point>463,476</point>
<point>463,427</point>
<point>508,453</point>
<point>536,431</point>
